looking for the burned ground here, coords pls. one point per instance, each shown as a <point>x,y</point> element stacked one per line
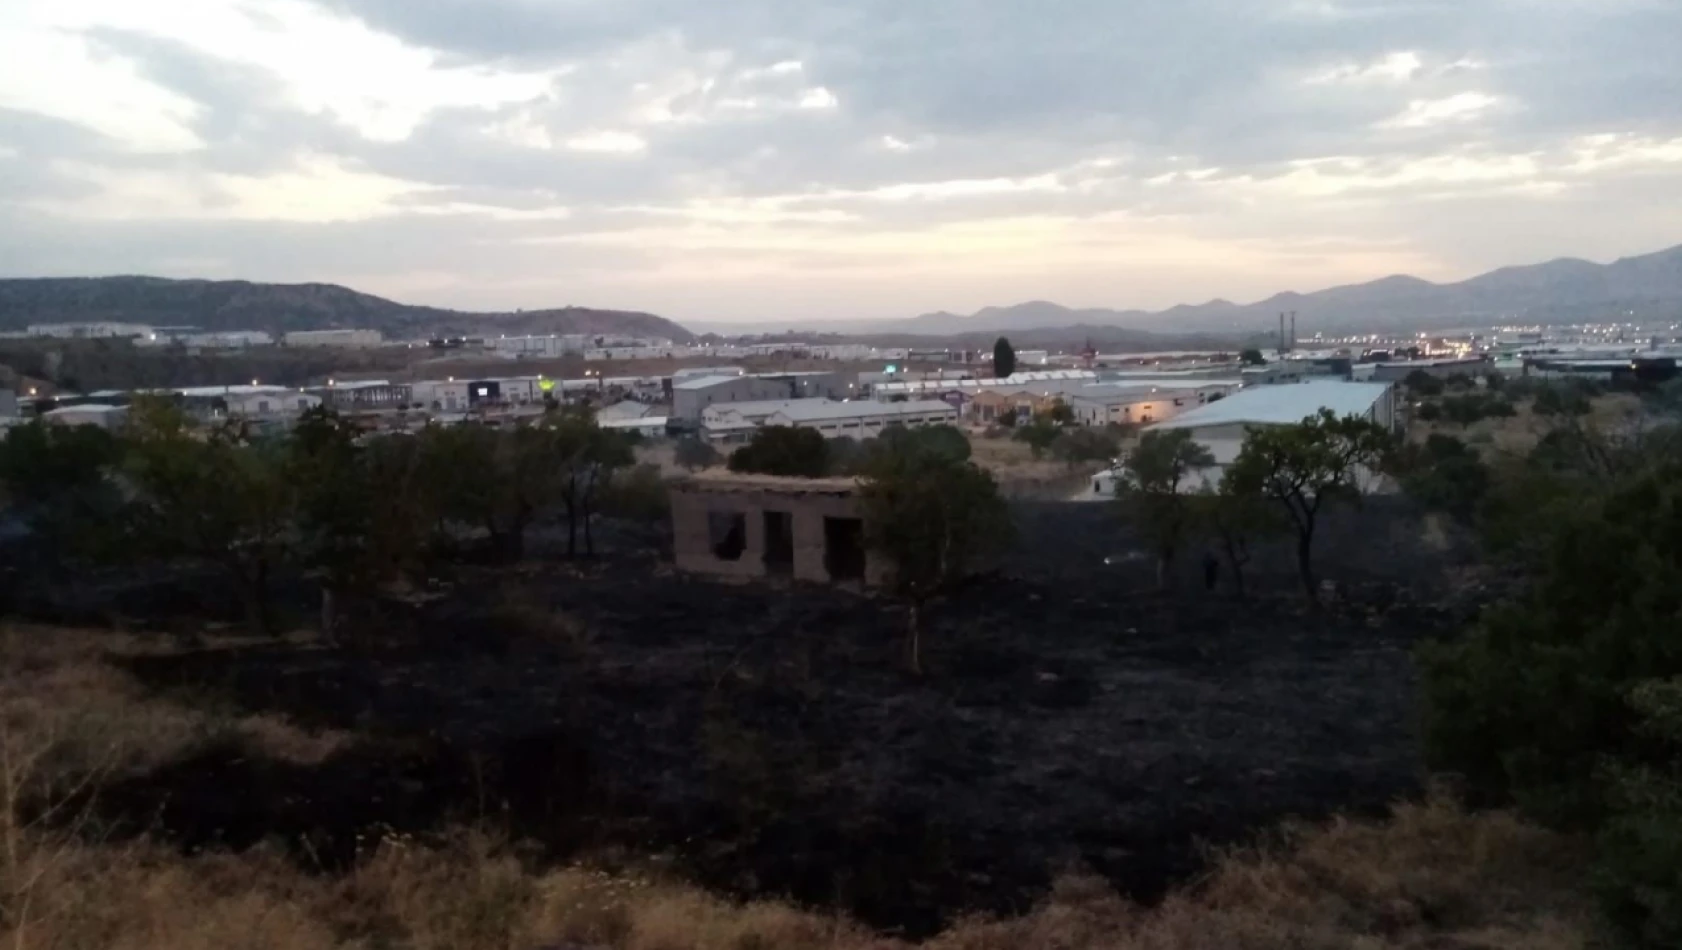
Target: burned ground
<point>767,742</point>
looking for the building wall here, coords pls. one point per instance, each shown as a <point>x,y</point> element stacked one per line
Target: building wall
<point>692,532</point>
<point>1391,372</point>
<point>866,427</point>
<point>333,338</point>
<point>688,404</point>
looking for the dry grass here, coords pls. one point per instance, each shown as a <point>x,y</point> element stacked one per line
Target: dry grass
<point>1429,878</point>
<point>1519,434</point>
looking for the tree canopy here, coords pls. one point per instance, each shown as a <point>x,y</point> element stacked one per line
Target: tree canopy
<point>1305,467</point>
<point>934,518</point>
<point>785,451</point>
<point>1152,489</point>
<point>1004,358</point>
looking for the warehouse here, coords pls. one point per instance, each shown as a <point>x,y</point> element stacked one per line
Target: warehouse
<point>1222,426</point>
<point>691,397</point>
<point>862,420</point>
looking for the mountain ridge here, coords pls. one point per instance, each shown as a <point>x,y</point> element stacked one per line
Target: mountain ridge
<point>1556,290</point>
<point>214,305</point>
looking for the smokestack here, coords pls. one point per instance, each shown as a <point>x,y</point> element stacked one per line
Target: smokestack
<point>1293,330</point>
<point>1281,331</point>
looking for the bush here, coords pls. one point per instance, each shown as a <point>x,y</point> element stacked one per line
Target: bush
<point>784,451</point>
<point>1565,698</point>
<point>693,453</point>
<point>637,494</point>
<point>1421,383</point>
<point>1086,445</point>
<point>1446,475</point>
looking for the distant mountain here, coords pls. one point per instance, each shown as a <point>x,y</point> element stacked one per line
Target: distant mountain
<point>278,308</point>
<point>1554,292</point>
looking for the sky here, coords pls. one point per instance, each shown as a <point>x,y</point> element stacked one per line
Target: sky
<point>789,160</point>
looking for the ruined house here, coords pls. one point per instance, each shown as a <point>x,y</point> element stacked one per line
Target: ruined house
<point>757,526</point>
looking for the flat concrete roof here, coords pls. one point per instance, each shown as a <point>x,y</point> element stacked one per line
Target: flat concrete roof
<point>722,480</point>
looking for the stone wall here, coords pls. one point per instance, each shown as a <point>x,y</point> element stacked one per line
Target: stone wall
<point>698,513</point>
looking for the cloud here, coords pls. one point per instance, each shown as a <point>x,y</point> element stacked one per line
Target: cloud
<point>946,149</point>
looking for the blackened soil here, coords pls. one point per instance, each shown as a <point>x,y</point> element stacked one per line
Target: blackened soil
<point>770,744</point>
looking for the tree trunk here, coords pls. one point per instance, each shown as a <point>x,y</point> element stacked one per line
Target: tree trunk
<point>589,537</point>
<point>572,530</point>
<point>1235,562</point>
<point>329,615</point>
<point>914,638</point>
<point>1305,565</point>
<point>1164,570</point>
<point>255,587</point>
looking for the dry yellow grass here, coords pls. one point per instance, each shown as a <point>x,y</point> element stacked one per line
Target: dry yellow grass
<point>1430,878</point>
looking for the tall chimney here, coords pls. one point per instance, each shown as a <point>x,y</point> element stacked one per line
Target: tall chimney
<point>1293,330</point>
<point>1281,331</point>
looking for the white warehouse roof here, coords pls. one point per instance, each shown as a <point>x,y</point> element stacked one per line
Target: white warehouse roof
<point>1283,404</point>
<point>817,410</point>
<point>704,382</point>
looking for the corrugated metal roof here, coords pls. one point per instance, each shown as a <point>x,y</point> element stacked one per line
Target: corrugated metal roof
<point>1282,404</point>
<point>808,410</point>
<point>705,382</point>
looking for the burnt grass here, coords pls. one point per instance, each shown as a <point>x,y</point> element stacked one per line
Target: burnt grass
<point>767,742</point>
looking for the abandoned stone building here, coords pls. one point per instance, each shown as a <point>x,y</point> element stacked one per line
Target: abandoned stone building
<point>755,526</point>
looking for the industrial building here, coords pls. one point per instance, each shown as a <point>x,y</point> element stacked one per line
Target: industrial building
<point>1128,405</point>
<point>691,396</point>
<point>1222,426</point>
<point>736,422</point>
<point>345,338</point>
<point>1473,366</point>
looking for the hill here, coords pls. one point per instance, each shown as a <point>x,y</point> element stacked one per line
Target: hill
<point>1558,291</point>
<point>279,308</point>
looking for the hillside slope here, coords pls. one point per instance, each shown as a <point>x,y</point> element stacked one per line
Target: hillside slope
<point>279,308</point>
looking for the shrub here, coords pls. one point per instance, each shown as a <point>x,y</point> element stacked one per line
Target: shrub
<point>783,450</point>
<point>693,454</point>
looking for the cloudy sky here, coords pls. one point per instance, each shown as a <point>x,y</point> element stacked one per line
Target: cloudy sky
<point>789,159</point>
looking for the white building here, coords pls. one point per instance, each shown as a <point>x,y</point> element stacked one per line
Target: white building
<point>692,396</point>
<point>90,414</point>
<point>1046,382</point>
<point>649,427</point>
<point>216,340</point>
<point>346,338</point>
<point>1222,426</point>
<point>88,331</point>
<point>275,403</point>
<point>861,419</point>
<point>534,347</point>
<point>737,420</point>
<point>447,396</point>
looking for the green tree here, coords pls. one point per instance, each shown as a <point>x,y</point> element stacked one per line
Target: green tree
<point>1038,435</point>
<point>1060,413</point>
<point>1235,520</point>
<point>1251,356</point>
<point>786,451</point>
<point>943,440</point>
<point>1534,699</point>
<point>1004,358</point>
<point>1445,474</point>
<point>694,453</point>
<point>1562,399</point>
<point>1640,847</point>
<point>58,480</point>
<point>589,456</point>
<point>1086,445</point>
<point>215,496</point>
<point>934,519</point>
<point>1423,384</point>
<point>1154,495</point>
<point>1305,467</point>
